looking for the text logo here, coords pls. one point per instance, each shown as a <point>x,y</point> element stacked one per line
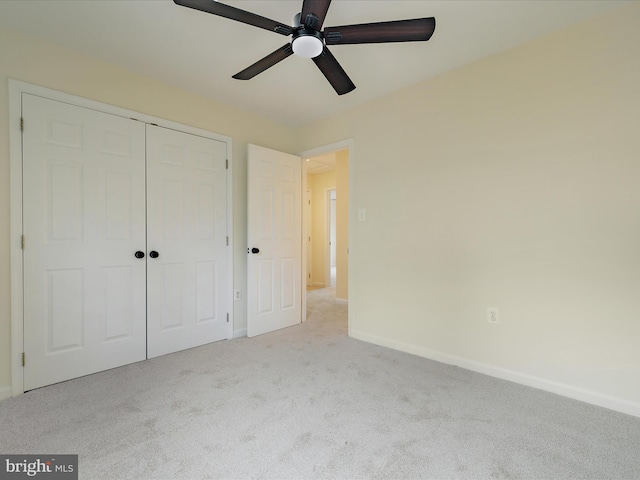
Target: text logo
<point>46,467</point>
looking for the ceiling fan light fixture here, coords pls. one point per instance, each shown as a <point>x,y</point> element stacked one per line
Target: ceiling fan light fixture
<point>307,46</point>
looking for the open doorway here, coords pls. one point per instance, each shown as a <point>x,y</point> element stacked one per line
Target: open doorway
<point>327,180</point>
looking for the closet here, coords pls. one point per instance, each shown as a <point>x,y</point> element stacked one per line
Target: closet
<point>125,228</point>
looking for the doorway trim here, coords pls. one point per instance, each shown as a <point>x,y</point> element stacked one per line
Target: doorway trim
<point>329,216</point>
<point>16,89</point>
<point>348,144</point>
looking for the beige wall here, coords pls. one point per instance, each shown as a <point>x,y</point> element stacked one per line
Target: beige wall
<point>30,60</point>
<point>342,224</point>
<point>513,182</point>
<point>319,183</point>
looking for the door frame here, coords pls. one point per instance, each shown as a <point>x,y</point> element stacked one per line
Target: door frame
<point>348,144</point>
<point>16,89</point>
<point>328,244</point>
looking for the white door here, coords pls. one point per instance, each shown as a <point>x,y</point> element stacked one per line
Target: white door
<point>308,234</point>
<point>274,234</point>
<point>186,227</point>
<point>84,219</point>
<point>332,228</point>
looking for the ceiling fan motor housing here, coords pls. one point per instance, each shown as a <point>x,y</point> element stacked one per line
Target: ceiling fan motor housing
<point>306,42</point>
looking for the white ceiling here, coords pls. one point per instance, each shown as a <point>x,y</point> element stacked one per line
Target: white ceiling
<point>321,164</point>
<point>200,52</point>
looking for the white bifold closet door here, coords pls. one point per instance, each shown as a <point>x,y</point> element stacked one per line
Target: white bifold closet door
<point>84,219</point>
<point>102,195</point>
<point>186,225</point>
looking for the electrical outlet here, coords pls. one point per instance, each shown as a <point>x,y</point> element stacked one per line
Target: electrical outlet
<point>237,295</point>
<point>493,315</point>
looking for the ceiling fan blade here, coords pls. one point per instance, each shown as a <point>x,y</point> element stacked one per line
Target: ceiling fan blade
<point>416,30</point>
<point>332,70</point>
<point>233,13</point>
<point>314,12</point>
<point>265,63</point>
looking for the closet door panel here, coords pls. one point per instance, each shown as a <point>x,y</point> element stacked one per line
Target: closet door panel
<point>186,226</point>
<point>84,219</point>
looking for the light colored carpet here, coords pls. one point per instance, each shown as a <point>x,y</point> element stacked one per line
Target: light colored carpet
<point>309,402</point>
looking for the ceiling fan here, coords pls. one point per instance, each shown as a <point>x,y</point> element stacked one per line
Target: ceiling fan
<point>310,41</point>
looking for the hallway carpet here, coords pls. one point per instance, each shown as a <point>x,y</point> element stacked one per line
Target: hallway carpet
<point>310,402</point>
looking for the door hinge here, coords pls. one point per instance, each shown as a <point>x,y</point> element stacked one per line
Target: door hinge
<point>227,318</point>
<point>23,359</point>
<point>22,242</point>
<point>227,164</point>
<point>227,241</point>
<point>22,124</point>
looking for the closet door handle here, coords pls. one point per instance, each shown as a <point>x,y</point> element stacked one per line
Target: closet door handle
<point>139,254</point>
<point>154,254</point>
<point>255,250</point>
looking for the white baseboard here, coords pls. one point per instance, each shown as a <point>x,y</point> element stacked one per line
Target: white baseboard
<point>5,392</point>
<point>318,284</point>
<point>342,301</point>
<point>576,393</point>
<point>240,333</point>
